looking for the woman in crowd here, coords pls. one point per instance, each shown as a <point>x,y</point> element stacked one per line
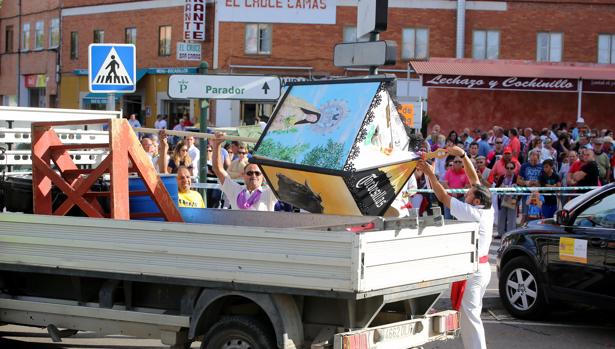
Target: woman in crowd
<point>180,157</point>
<point>235,170</point>
<point>507,212</point>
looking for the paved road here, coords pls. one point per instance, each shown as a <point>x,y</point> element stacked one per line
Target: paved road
<point>564,329</point>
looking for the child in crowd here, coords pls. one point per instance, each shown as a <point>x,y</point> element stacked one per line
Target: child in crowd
<point>534,206</point>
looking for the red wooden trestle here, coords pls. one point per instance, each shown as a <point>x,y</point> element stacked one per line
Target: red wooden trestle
<point>75,183</point>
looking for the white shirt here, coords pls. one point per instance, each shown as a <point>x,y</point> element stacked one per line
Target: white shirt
<point>232,189</point>
<point>160,124</point>
<point>468,213</point>
<point>195,155</point>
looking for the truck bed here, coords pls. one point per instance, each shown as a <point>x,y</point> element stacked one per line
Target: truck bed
<point>240,250</point>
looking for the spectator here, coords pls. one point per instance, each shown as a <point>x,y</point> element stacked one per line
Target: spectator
<point>548,152</point>
<point>179,158</point>
<point>534,206</point>
<point>239,163</point>
<point>452,137</point>
<point>507,213</point>
<point>134,123</point>
<point>252,196</point>
<point>432,139</point>
<point>589,173</point>
<point>161,122</point>
<point>499,168</point>
<point>482,170</point>
<point>514,142</point>
<point>194,153</point>
<point>499,133</point>
<point>568,159</point>
<point>187,197</point>
<point>455,178</point>
<point>473,150</point>
<point>603,161</point>
<point>528,177</point>
<point>483,145</point>
<point>496,153</point>
<point>548,178</point>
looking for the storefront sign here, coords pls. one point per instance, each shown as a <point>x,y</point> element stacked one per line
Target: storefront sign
<point>188,52</point>
<point>36,81</point>
<point>277,11</point>
<point>194,20</point>
<point>599,86</point>
<point>499,83</point>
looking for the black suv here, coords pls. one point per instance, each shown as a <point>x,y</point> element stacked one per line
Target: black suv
<point>568,258</point>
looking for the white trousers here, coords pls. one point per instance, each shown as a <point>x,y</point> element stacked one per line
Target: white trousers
<point>472,331</point>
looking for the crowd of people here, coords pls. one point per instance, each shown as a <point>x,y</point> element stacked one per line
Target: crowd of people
<point>575,156</point>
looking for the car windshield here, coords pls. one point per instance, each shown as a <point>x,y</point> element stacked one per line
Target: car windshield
<point>575,202</point>
<point>601,213</point>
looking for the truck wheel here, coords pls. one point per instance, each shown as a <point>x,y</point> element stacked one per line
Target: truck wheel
<point>239,332</point>
<point>521,290</point>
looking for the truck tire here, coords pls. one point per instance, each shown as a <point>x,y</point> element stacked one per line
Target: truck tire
<point>239,332</point>
<point>521,290</point>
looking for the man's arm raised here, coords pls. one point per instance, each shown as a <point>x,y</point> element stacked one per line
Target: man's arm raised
<point>216,161</point>
<point>438,189</point>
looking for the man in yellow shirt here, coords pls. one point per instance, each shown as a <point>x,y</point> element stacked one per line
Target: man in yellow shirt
<point>187,197</point>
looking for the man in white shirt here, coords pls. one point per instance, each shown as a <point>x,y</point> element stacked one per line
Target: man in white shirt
<point>252,196</point>
<point>161,122</point>
<point>475,208</point>
<point>194,153</point>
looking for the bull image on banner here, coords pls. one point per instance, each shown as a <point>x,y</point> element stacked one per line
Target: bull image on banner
<point>336,147</point>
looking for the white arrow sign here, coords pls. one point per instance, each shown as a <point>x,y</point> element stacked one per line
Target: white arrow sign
<point>225,87</point>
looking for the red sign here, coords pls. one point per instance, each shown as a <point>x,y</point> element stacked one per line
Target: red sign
<point>36,81</point>
<point>499,83</point>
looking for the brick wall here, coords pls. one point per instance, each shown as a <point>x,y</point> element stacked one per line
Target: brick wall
<point>147,23</point>
<point>457,109</point>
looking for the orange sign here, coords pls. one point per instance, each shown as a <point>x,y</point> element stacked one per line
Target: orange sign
<point>406,111</point>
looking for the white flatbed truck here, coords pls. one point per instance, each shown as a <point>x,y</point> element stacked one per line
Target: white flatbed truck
<point>239,279</point>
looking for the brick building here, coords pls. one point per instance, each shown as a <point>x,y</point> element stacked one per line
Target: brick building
<point>29,54</point>
<point>568,31</point>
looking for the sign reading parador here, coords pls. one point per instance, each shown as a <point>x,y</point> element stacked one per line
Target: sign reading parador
<point>277,11</point>
<point>252,87</point>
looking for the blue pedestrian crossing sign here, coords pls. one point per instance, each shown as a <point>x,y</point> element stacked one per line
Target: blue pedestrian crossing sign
<point>112,68</point>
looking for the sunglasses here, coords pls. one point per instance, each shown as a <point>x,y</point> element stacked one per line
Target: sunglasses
<point>498,142</point>
<point>457,161</point>
<point>253,173</point>
<point>242,152</point>
<point>510,168</point>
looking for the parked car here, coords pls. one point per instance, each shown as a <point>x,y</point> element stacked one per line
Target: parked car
<point>570,258</point>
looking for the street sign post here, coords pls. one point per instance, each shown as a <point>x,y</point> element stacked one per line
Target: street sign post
<point>112,68</point>
<point>245,87</point>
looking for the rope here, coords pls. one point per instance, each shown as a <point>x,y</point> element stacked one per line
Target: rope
<point>508,190</point>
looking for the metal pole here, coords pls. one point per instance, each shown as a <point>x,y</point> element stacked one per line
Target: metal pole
<point>203,104</point>
<point>580,101</point>
<point>373,36</point>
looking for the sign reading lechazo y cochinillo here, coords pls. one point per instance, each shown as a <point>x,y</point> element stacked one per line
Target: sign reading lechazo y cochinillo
<point>500,83</point>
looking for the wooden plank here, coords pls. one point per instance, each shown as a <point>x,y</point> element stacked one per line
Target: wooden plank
<point>154,185</point>
<point>81,188</point>
<point>41,183</point>
<point>195,134</point>
<point>79,146</point>
<point>71,122</point>
<point>119,206</point>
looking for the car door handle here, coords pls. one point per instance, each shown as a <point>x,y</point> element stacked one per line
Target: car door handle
<point>598,243</point>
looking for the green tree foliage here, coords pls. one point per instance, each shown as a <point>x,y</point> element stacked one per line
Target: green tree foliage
<point>278,151</point>
<point>328,156</point>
